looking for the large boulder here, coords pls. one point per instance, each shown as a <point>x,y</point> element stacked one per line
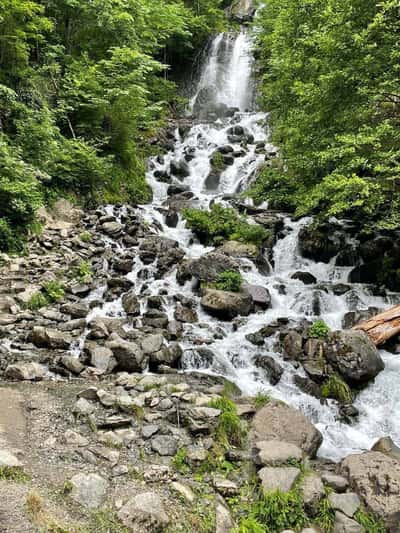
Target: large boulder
<point>260,295</point>
<point>89,490</point>
<point>376,479</point>
<point>50,338</point>
<point>129,355</point>
<point>226,305</point>
<point>278,421</point>
<point>353,355</point>
<point>30,371</point>
<point>165,251</point>
<point>209,266</point>
<point>320,243</point>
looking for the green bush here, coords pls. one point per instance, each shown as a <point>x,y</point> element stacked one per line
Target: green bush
<point>54,291</point>
<point>337,389</point>
<point>230,429</point>
<point>222,223</point>
<point>370,522</point>
<point>83,271</point>
<point>325,515</point>
<point>260,400</point>
<point>37,301</point>
<point>280,510</point>
<point>229,280</point>
<point>249,525</point>
<point>318,330</point>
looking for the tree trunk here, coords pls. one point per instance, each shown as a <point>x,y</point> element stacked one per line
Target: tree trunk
<point>383,326</point>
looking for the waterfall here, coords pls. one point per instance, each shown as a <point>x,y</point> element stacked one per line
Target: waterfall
<point>226,78</point>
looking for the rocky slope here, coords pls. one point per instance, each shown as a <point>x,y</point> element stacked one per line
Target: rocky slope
<point>92,441</point>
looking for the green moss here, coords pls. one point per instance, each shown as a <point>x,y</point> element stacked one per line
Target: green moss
<point>105,521</point>
<point>337,389</point>
<point>280,510</point>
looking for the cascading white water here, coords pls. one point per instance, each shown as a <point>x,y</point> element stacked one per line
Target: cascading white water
<point>228,71</point>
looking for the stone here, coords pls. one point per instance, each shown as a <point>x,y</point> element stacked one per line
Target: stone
<point>226,305</point>
<point>353,355</point>
<point>347,503</point>
<point>225,486</point>
<point>184,491</point>
<point>129,355</point>
<point>76,310</point>
<point>88,489</point>
<point>313,491</point>
<point>272,369</point>
<point>149,430</point>
<point>375,477</point>
<point>275,452</point>
<point>102,358</point>
<point>50,338</point>
<point>113,229</point>
<point>152,343</point>
<point>388,447</point>
<point>344,524</point>
<point>293,345</point>
<point>306,277</point>
<point>130,303</point>
<point>143,513</point>
<point>260,295</point>
<point>210,265</point>
<point>72,364</point>
<point>83,408</point>
<point>223,519</point>
<point>185,314</point>
<point>278,478</point>
<point>164,445</point>
<point>63,210</point>
<point>25,372</point>
<point>74,439</point>
<point>336,482</point>
<point>8,460</point>
<point>278,421</point>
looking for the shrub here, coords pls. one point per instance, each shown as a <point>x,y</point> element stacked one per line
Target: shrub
<point>85,236</point>
<point>280,510</point>
<point>318,330</point>
<point>83,271</point>
<point>180,461</point>
<point>217,161</point>
<point>325,515</point>
<point>260,400</point>
<point>229,280</point>
<point>230,430</point>
<point>249,525</point>
<point>370,522</point>
<point>37,301</point>
<point>54,291</point>
<point>222,223</point>
<point>337,389</point>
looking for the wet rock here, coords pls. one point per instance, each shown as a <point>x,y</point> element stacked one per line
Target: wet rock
<point>293,345</point>
<point>185,314</point>
<point>275,452</point>
<point>88,490</point>
<point>172,219</point>
<point>130,303</point>
<point>152,343</point>
<point>25,372</point>
<point>280,478</point>
<point>129,355</point>
<point>305,277</point>
<point>226,305</point>
<point>260,295</point>
<point>352,318</point>
<point>212,181</point>
<point>180,168</point>
<point>272,369</point>
<point>113,229</point>
<point>50,338</point>
<point>277,421</point>
<point>353,355</point>
<point>143,513</point>
<point>375,477</point>
<point>320,243</point>
<point>347,503</point>
<point>210,265</point>
<point>76,310</point>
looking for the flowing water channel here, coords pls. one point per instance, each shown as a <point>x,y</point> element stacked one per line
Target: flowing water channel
<point>226,77</point>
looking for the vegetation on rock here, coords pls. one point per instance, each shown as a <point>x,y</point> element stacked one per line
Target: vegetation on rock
<point>229,280</point>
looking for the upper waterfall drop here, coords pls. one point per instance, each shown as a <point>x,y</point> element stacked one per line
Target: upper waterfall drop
<point>226,75</point>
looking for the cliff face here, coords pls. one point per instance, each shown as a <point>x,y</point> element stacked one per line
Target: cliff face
<point>242,10</point>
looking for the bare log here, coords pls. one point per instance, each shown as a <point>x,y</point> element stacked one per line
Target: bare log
<point>382,327</point>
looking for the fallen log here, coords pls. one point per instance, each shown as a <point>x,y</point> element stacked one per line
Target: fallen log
<point>382,327</point>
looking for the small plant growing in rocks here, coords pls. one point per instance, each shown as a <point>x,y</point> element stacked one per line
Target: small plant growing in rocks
<point>83,271</point>
<point>13,473</point>
<point>229,280</point>
<point>180,461</point>
<point>337,389</point>
<point>85,236</point>
<point>370,522</point>
<point>37,301</point>
<point>319,330</point>
<point>54,291</point>
<point>230,430</point>
<point>325,515</point>
<point>260,400</point>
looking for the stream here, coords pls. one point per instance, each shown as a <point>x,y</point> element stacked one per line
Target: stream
<point>226,78</point>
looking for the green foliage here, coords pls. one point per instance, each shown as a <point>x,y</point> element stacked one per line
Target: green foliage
<point>337,389</point>
<point>83,87</point>
<point>11,473</point>
<point>260,400</point>
<point>337,132</point>
<point>104,521</point>
<point>230,430</point>
<point>217,161</point>
<point>229,280</point>
<point>370,522</point>
<point>37,301</point>
<point>318,330</point>
<point>86,236</point>
<point>249,525</point>
<point>180,461</point>
<point>83,271</point>
<point>53,290</point>
<point>279,510</point>
<point>222,223</point>
<point>325,515</point>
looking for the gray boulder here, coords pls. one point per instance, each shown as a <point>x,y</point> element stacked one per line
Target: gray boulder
<point>88,489</point>
<point>129,355</point>
<point>144,513</point>
<point>25,372</point>
<point>226,305</point>
<point>278,421</point>
<point>50,338</point>
<point>278,478</point>
<point>130,303</point>
<point>209,266</point>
